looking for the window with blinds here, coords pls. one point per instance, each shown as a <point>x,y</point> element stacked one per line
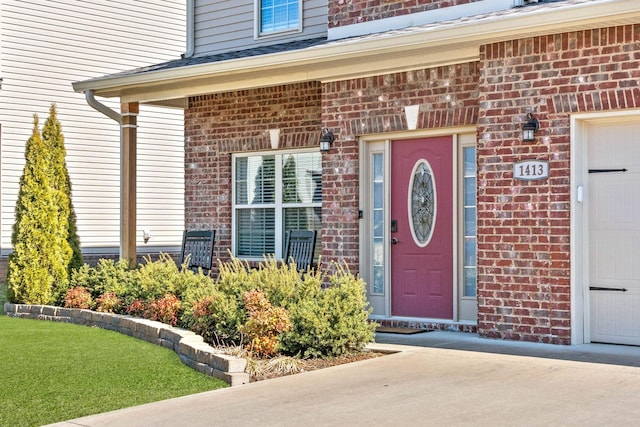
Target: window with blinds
<point>274,193</point>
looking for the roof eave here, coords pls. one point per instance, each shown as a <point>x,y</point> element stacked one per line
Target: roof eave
<point>376,54</point>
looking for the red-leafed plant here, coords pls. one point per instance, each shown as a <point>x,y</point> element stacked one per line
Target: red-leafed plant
<point>165,309</point>
<point>108,303</point>
<point>78,297</point>
<point>264,324</point>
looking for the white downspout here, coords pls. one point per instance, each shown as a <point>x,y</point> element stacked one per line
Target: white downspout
<point>191,31</point>
<point>94,103</point>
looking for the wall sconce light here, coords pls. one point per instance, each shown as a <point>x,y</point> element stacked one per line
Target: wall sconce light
<point>326,139</point>
<point>530,128</point>
<point>146,235</point>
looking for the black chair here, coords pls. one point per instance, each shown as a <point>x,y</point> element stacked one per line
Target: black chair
<point>197,248</point>
<point>300,247</point>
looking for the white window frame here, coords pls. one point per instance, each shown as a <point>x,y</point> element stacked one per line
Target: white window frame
<point>258,33</point>
<point>278,205</point>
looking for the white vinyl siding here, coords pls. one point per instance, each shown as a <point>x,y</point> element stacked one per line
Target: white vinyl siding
<point>45,45</point>
<point>229,25</point>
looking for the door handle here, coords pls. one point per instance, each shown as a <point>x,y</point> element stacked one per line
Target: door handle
<point>394,241</point>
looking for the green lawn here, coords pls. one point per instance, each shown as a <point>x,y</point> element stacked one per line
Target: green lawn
<point>51,372</point>
<point>3,296</point>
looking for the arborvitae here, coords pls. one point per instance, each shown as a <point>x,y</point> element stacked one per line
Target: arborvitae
<point>54,140</point>
<point>38,266</point>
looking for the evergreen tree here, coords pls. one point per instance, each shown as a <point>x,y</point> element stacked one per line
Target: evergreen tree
<point>38,266</point>
<point>54,141</point>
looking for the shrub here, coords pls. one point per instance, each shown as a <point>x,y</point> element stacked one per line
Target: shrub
<point>154,279</point>
<point>265,324</point>
<point>165,309</point>
<point>217,318</point>
<point>331,321</point>
<point>37,270</point>
<point>137,308</point>
<point>54,141</point>
<point>109,303</point>
<point>78,297</point>
<point>107,276</point>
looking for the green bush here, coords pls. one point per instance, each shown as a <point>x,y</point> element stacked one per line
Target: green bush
<point>38,266</point>
<point>157,278</point>
<point>217,318</point>
<point>269,309</point>
<point>151,281</point>
<point>108,276</point>
<point>331,321</point>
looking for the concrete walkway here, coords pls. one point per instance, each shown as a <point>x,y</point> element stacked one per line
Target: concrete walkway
<point>441,379</point>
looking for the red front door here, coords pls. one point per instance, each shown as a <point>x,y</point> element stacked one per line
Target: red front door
<point>422,228</point>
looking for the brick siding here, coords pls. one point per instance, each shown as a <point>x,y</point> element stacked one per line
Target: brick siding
<point>447,97</point>
<point>524,227</point>
<point>347,12</point>
<point>218,125</point>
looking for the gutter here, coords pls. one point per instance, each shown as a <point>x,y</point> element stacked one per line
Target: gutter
<point>94,103</point>
<point>446,42</point>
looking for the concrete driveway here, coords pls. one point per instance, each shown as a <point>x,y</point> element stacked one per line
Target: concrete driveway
<point>422,385</point>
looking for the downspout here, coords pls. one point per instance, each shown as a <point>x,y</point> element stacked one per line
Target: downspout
<point>191,31</point>
<point>94,103</point>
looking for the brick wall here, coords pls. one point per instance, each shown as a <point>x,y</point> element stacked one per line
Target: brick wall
<point>218,125</point>
<point>347,12</point>
<point>448,96</point>
<point>523,227</point>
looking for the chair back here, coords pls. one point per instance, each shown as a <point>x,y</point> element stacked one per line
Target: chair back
<point>300,247</point>
<point>198,247</point>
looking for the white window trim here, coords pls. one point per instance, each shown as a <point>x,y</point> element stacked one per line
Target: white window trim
<point>257,29</point>
<point>278,205</point>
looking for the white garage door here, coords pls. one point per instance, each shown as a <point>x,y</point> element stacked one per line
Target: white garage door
<point>614,233</point>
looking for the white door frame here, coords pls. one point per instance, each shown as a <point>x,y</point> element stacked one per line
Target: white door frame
<point>579,229</point>
<point>384,141</point>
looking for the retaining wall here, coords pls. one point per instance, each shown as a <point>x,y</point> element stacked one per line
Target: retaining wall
<point>191,348</point>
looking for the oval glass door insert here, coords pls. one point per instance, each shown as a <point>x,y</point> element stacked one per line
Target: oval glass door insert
<point>422,203</point>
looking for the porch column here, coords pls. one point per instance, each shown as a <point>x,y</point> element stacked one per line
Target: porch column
<point>128,141</point>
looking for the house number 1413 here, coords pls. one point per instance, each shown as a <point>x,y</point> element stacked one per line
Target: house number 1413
<point>530,170</point>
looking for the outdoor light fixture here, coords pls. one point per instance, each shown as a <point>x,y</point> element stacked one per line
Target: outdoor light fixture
<point>530,128</point>
<point>326,139</point>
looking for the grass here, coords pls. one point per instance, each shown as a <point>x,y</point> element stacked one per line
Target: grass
<point>3,297</point>
<point>51,372</point>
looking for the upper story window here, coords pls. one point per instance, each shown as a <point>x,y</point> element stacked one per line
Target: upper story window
<point>275,16</point>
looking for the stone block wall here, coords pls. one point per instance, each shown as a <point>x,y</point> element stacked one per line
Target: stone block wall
<point>191,348</point>
<point>524,227</point>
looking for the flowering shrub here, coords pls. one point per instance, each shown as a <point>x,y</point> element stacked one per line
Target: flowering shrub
<point>108,303</point>
<point>165,309</point>
<point>78,297</point>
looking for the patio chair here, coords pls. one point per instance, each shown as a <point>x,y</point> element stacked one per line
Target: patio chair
<point>300,247</point>
<point>197,248</point>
